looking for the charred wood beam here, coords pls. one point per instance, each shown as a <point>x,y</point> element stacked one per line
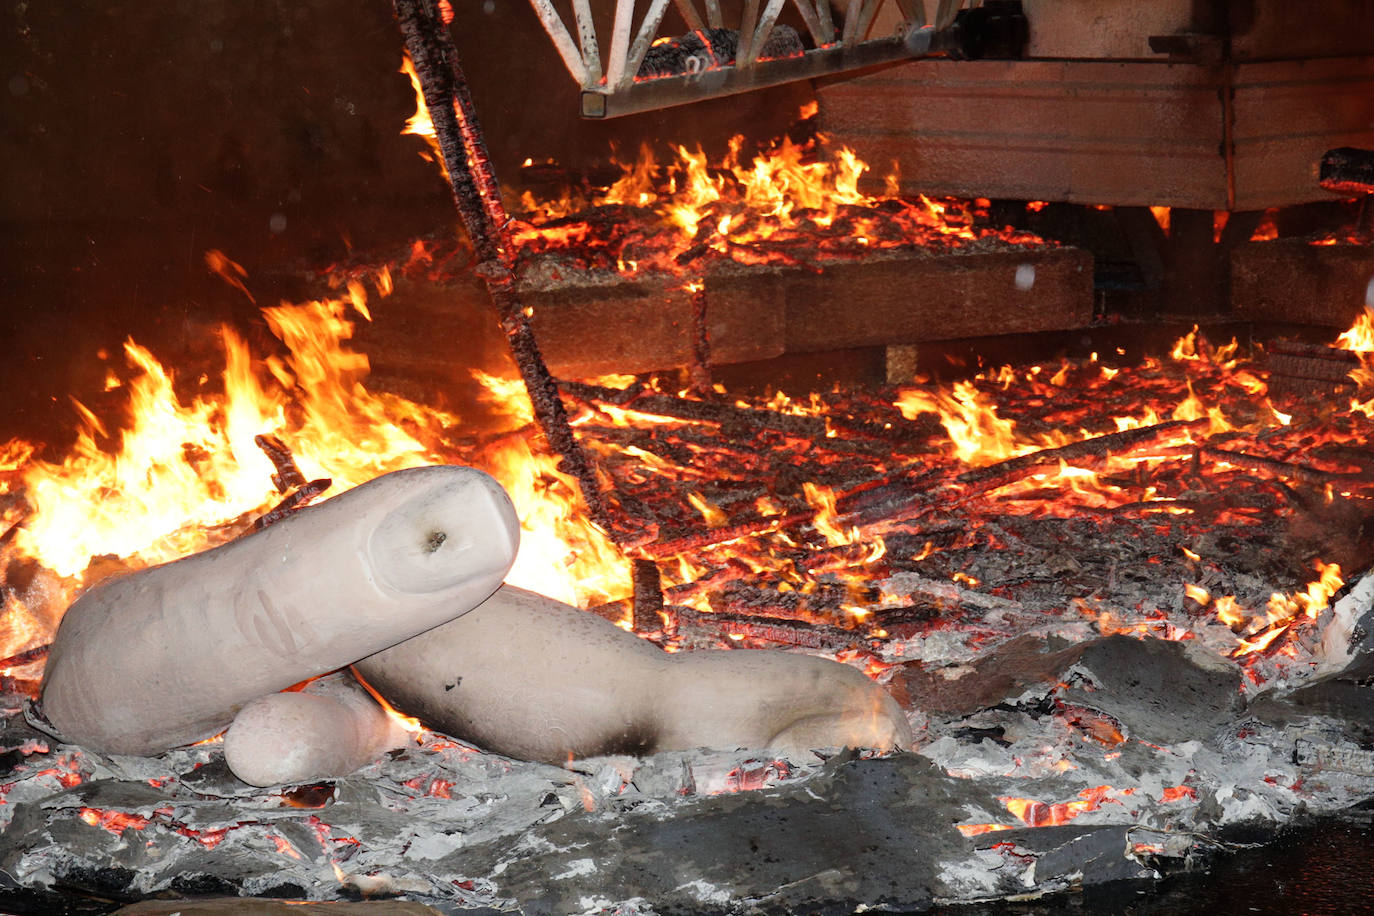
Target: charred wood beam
<point>698,370</point>
<point>833,433</point>
<point>478,200</point>
<point>648,596</point>
<point>667,405</point>
<point>907,493</point>
<point>1347,170</point>
<point>287,477</point>
<point>27,657</point>
<point>733,571</point>
<point>895,430</point>
<point>776,630</point>
<point>1280,468</point>
<point>299,499</point>
<point>906,497</point>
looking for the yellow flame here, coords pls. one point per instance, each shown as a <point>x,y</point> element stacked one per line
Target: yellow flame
<point>179,475</point>
<point>420,123</point>
<point>822,499</point>
<point>714,517</point>
<point>970,418</point>
<point>1359,337</point>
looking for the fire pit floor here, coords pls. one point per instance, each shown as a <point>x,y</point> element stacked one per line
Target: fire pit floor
<point>1157,761</point>
<point>1108,682</point>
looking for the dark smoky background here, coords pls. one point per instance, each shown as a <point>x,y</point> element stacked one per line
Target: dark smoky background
<point>135,137</point>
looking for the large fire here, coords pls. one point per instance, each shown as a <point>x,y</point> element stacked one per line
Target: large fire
<point>791,203</point>
<point>178,473</point>
<point>808,505</point>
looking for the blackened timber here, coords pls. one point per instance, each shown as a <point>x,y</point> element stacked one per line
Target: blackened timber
<point>27,657</point>
<point>1347,170</point>
<point>818,430</point>
<point>698,370</point>
<point>648,596</point>
<point>910,497</point>
<point>1281,468</point>
<point>477,196</point>
<point>904,493</point>
<point>708,537</point>
<point>673,407</point>
<point>287,477</point>
<point>299,499</point>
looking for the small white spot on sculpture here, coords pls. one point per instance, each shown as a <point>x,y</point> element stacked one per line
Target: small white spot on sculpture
<point>1025,276</point>
<point>277,223</point>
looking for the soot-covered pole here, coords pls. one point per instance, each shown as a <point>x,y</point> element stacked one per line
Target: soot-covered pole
<point>478,198</point>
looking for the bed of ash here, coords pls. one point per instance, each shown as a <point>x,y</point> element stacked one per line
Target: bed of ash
<point>1067,758</point>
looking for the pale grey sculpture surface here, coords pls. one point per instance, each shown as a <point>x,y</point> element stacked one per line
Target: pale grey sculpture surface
<point>329,729</point>
<point>531,677</point>
<point>168,655</point>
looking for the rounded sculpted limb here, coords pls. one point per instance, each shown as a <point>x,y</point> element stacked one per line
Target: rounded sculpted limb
<point>531,677</point>
<point>329,729</point>
<point>168,655</point>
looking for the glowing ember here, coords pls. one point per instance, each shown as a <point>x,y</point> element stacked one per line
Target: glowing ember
<point>791,203</point>
<point>114,821</point>
<point>1039,814</point>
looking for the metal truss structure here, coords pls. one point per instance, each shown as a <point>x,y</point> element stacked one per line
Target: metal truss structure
<point>644,69</point>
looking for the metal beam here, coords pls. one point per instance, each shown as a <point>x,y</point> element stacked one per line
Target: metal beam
<point>667,92</point>
<point>586,36</point>
<point>558,33</point>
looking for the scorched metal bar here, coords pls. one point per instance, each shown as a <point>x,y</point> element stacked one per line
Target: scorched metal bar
<point>478,199</point>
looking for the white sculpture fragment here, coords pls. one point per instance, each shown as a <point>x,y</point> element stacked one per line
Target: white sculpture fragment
<point>531,677</point>
<point>330,728</point>
<point>168,655</point>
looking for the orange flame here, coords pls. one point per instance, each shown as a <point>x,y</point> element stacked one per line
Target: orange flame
<point>789,191</point>
<point>1359,337</point>
<point>178,475</point>
<point>970,418</point>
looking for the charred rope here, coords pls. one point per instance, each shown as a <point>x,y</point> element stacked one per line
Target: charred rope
<point>478,199</point>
